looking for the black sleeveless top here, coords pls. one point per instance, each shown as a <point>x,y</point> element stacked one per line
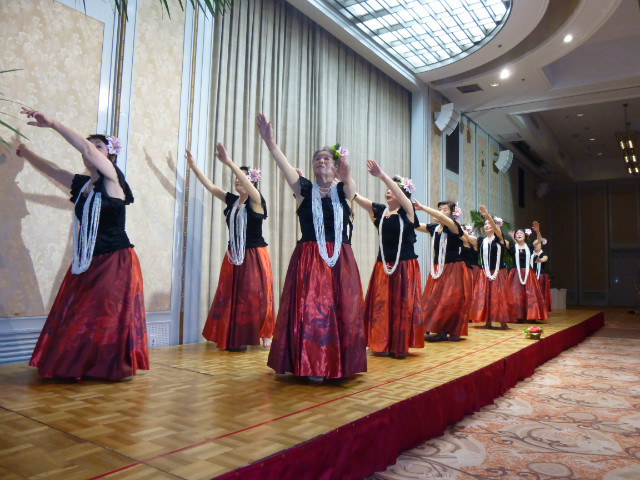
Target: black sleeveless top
<point>469,255</point>
<point>305,214</point>
<point>543,265</point>
<point>454,242</point>
<point>254,220</point>
<point>111,235</point>
<point>522,253</point>
<point>493,253</point>
<point>391,231</point>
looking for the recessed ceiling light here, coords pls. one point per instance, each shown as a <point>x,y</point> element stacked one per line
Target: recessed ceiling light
<point>579,114</point>
<point>505,73</point>
<point>592,139</point>
<point>599,153</point>
<point>495,84</point>
<point>568,38</point>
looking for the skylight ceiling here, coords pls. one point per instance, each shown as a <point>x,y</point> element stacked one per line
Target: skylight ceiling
<point>425,34</point>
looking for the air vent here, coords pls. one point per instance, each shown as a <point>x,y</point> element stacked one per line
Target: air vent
<point>470,88</point>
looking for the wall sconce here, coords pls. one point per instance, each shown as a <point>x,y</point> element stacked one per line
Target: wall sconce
<point>627,141</point>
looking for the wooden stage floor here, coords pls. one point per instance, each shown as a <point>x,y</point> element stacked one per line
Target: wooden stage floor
<point>200,412</point>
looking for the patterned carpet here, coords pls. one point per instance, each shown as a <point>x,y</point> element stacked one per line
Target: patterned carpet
<point>577,418</point>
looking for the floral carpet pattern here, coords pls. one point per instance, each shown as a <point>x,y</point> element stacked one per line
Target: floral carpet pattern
<point>576,418</point>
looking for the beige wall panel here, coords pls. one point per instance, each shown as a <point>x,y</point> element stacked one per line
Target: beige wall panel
<point>592,240</point>
<point>494,178</point>
<point>468,173</point>
<point>505,210</point>
<point>563,244</point>
<point>482,154</point>
<point>451,191</point>
<point>624,215</point>
<point>59,51</point>
<point>153,141</point>
<point>435,157</point>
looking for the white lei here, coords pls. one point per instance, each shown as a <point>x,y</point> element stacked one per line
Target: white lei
<point>387,270</point>
<point>237,233</point>
<point>318,223</point>
<point>84,241</point>
<point>486,260</point>
<point>527,263</point>
<point>442,251</point>
<point>536,265</point>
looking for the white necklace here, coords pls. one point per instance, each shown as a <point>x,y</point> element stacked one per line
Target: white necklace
<point>85,240</point>
<point>318,223</point>
<point>442,250</point>
<point>486,261</point>
<point>536,265</point>
<point>238,233</point>
<point>387,270</point>
<point>526,263</point>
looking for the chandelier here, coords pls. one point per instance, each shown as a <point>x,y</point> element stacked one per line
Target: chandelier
<point>627,141</point>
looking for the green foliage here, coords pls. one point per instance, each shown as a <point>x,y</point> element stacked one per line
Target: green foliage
<point>3,98</point>
<point>207,6</point>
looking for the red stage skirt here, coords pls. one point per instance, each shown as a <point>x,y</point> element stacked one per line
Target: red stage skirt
<point>472,275</point>
<point>545,288</point>
<point>446,300</point>
<point>96,326</point>
<point>242,311</point>
<point>527,299</point>
<point>491,300</point>
<point>319,329</point>
<point>393,309</point>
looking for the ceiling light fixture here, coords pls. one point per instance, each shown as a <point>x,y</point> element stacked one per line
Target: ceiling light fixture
<point>627,140</point>
<point>567,38</point>
<point>505,73</point>
<point>495,84</point>
<point>579,114</point>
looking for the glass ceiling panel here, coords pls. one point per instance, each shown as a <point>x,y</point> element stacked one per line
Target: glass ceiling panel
<point>425,34</point>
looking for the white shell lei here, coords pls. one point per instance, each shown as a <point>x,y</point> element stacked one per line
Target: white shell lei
<point>536,266</point>
<point>442,251</point>
<point>527,263</point>
<point>84,241</point>
<point>486,259</point>
<point>387,270</point>
<point>318,223</point>
<point>237,233</point>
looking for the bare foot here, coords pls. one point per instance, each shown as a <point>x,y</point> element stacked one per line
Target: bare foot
<point>266,342</point>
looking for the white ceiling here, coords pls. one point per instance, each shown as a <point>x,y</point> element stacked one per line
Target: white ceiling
<point>551,81</point>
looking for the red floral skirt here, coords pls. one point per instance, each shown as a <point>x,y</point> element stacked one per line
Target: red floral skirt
<point>491,300</point>
<point>446,300</point>
<point>527,299</point>
<point>472,275</point>
<point>545,288</point>
<point>319,329</point>
<point>242,311</point>
<point>393,309</point>
<point>96,326</point>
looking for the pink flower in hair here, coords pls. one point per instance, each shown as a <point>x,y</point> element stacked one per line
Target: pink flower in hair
<point>527,231</point>
<point>343,152</point>
<point>408,185</point>
<point>498,221</point>
<point>468,229</point>
<point>254,175</point>
<point>544,241</point>
<point>457,214</point>
<point>114,145</point>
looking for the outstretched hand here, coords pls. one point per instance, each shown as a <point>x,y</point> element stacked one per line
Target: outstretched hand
<point>536,226</point>
<point>221,154</point>
<point>418,206</point>
<point>483,210</point>
<point>343,172</point>
<point>265,128</point>
<point>190,160</point>
<point>374,169</point>
<point>40,119</point>
<point>21,150</point>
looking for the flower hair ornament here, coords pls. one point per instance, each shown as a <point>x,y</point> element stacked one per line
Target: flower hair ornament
<point>468,229</point>
<point>407,184</point>
<point>339,152</point>
<point>456,214</point>
<point>114,145</point>
<point>254,175</point>
<point>527,232</point>
<point>544,241</point>
<point>498,221</point>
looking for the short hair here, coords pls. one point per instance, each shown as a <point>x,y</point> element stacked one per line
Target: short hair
<point>96,136</point>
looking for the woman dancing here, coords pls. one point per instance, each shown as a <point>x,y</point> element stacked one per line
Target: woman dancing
<point>242,311</point>
<point>539,263</point>
<point>319,330</point>
<point>491,299</point>
<point>446,295</point>
<point>96,327</point>
<point>393,305</point>
<point>525,291</point>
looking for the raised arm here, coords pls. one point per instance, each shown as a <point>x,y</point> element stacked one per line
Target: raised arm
<point>60,175</point>
<point>208,184</point>
<point>290,175</point>
<point>470,239</point>
<point>496,230</point>
<point>366,204</point>
<point>422,228</point>
<point>441,217</point>
<point>88,150</point>
<point>536,228</point>
<point>343,172</point>
<point>405,202</point>
<point>254,195</point>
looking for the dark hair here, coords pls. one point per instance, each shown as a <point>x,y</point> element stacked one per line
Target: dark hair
<point>449,203</point>
<point>398,180</point>
<point>96,136</point>
<point>245,169</point>
<point>328,150</point>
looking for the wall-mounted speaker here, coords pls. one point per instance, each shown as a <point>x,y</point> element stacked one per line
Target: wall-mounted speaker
<point>504,160</point>
<point>447,118</point>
